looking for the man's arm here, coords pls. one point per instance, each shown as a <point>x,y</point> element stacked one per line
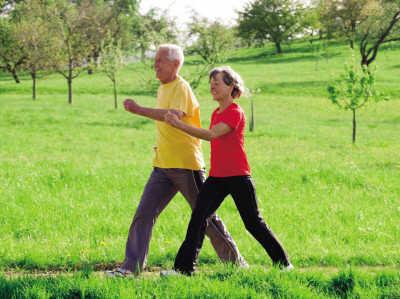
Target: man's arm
<point>153,113</point>
<point>215,132</point>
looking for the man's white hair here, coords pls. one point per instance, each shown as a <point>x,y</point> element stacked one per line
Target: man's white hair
<point>174,53</point>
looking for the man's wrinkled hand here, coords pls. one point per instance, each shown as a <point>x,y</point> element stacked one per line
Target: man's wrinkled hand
<point>131,106</point>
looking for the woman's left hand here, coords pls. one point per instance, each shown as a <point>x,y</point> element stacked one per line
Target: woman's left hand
<point>171,119</point>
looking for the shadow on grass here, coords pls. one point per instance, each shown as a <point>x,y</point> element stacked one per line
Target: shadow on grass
<point>139,92</point>
<point>28,264</point>
<point>390,46</point>
<point>392,121</point>
<point>269,57</point>
<point>316,88</point>
<point>297,58</point>
<point>15,89</point>
<point>133,125</point>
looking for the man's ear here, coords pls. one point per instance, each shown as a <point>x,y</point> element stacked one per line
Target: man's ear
<point>176,63</point>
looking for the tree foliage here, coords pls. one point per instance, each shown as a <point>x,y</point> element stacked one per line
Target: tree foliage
<point>73,47</point>
<point>381,26</point>
<point>270,20</point>
<point>111,61</point>
<point>35,36</point>
<point>152,29</point>
<point>341,18</point>
<point>211,40</point>
<point>370,23</point>
<point>12,55</point>
<point>355,89</point>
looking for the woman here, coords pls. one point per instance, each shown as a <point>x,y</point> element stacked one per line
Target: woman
<point>229,173</point>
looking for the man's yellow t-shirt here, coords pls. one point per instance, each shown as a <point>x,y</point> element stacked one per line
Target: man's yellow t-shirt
<point>176,149</point>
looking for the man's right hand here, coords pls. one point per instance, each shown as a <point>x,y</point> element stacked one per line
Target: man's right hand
<point>131,106</point>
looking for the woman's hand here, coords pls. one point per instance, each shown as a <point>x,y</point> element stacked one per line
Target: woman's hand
<point>172,119</point>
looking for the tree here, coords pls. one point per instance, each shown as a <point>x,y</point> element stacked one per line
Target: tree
<point>369,22</point>
<point>12,55</point>
<point>354,90</point>
<point>152,29</point>
<point>310,22</point>
<point>381,26</point>
<point>148,31</point>
<point>273,20</point>
<point>73,48</point>
<point>106,18</point>
<point>35,37</point>
<point>111,61</point>
<point>211,41</point>
<point>343,17</point>
<point>6,6</point>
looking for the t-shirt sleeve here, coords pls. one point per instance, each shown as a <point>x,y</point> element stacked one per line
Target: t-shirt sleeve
<point>232,118</point>
<point>183,100</point>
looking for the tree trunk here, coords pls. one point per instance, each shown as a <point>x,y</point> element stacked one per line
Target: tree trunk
<point>352,34</point>
<point>115,94</point>
<point>33,76</point>
<point>13,72</point>
<point>352,44</point>
<point>69,82</point>
<point>142,53</point>
<point>354,125</point>
<point>364,61</point>
<point>278,47</point>
<point>251,126</point>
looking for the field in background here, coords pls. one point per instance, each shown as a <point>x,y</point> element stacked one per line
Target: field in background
<point>71,178</point>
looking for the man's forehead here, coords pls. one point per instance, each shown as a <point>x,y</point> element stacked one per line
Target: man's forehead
<point>161,52</point>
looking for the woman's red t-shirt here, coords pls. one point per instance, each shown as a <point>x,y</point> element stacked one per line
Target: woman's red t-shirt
<point>228,157</point>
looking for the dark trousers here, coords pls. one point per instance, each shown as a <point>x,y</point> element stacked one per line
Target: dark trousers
<point>211,195</point>
<point>161,187</point>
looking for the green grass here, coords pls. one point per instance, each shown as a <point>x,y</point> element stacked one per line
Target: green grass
<point>71,177</point>
<point>222,283</point>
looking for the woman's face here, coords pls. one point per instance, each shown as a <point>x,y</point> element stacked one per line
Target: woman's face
<point>218,88</point>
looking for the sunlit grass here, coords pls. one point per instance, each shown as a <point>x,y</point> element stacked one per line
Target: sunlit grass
<point>71,176</point>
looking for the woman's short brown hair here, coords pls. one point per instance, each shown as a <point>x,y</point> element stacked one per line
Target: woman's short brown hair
<point>230,77</point>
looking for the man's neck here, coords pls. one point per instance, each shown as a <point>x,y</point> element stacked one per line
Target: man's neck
<point>170,79</point>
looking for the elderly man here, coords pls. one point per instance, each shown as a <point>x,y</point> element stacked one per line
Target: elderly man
<point>178,165</point>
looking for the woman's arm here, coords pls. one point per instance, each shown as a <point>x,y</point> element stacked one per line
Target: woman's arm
<point>215,132</point>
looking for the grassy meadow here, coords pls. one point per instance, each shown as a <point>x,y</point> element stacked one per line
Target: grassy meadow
<point>71,177</point>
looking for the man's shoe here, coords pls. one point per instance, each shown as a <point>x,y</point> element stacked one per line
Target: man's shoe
<point>242,263</point>
<point>119,272</point>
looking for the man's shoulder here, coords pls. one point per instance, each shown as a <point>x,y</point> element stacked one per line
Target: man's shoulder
<point>182,83</point>
<point>183,88</point>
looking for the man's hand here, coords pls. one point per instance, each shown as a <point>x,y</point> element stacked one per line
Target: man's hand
<point>131,106</point>
<point>172,119</point>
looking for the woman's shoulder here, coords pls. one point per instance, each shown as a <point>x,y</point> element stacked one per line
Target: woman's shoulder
<point>235,108</point>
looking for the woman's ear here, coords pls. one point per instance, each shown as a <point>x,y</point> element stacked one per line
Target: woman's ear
<point>235,92</point>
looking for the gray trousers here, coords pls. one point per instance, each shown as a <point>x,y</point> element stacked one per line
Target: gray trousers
<point>161,187</point>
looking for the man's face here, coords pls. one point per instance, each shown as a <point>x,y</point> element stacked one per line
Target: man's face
<point>165,69</point>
